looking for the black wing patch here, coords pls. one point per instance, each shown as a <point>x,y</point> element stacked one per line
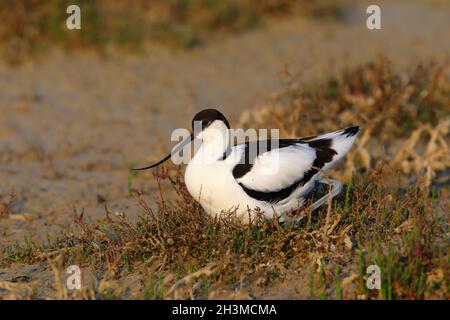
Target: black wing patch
<point>324,154</point>
<point>273,196</point>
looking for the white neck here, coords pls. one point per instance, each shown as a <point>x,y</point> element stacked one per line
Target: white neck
<point>214,145</point>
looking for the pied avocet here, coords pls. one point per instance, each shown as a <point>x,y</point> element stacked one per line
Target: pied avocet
<point>273,180</point>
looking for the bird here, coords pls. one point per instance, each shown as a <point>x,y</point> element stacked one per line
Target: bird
<point>269,177</point>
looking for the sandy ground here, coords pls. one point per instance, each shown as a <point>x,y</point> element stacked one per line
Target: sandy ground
<point>70,125</point>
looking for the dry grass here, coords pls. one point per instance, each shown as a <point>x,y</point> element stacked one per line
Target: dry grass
<point>179,252</point>
<point>390,215</point>
<point>5,205</point>
<point>405,117</point>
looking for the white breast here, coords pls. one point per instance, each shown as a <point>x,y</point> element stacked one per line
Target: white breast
<point>210,185</point>
<point>214,186</point>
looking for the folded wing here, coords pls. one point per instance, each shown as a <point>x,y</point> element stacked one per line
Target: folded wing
<point>271,172</point>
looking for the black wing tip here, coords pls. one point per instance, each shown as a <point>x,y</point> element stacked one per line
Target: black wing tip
<point>351,131</point>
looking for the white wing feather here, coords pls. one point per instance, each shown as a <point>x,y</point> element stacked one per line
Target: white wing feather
<point>279,168</point>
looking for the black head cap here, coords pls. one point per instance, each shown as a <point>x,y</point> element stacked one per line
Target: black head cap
<point>208,116</point>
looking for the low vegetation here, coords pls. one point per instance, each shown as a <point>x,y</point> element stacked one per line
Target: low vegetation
<point>30,27</point>
<point>405,117</point>
<point>393,212</point>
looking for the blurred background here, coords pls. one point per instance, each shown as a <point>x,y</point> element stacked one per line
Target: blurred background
<point>80,107</point>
